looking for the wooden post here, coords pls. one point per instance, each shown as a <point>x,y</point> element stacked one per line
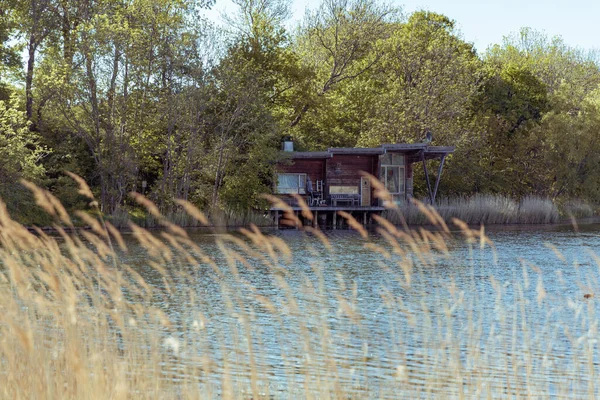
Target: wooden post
<point>316,219</point>
<point>365,218</point>
<point>427,177</point>
<point>334,220</point>
<point>437,181</point>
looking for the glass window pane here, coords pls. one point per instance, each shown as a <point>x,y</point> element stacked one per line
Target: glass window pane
<point>401,180</point>
<point>392,179</point>
<point>397,159</point>
<point>386,159</point>
<point>291,183</point>
<point>287,180</point>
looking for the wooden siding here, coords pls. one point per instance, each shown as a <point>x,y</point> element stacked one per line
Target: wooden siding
<point>315,169</point>
<point>344,170</point>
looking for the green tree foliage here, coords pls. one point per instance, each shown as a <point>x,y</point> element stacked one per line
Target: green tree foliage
<point>503,151</point>
<point>554,63</point>
<point>255,86</point>
<point>9,56</point>
<point>116,87</point>
<point>426,79</point>
<point>338,42</point>
<point>571,144</point>
<point>20,158</point>
<point>528,80</point>
<point>20,152</point>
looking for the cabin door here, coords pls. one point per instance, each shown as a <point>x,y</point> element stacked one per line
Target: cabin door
<point>365,191</point>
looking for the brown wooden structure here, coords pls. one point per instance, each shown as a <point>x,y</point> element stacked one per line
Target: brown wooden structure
<point>333,180</point>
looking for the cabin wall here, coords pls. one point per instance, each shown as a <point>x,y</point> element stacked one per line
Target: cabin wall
<point>345,170</point>
<point>315,169</point>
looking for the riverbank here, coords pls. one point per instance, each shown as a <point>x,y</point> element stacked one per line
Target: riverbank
<point>576,223</point>
<point>480,209</point>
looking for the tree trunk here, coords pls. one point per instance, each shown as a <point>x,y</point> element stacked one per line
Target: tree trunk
<point>218,174</point>
<point>31,49</point>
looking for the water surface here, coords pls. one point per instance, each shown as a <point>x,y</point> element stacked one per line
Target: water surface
<point>508,318</point>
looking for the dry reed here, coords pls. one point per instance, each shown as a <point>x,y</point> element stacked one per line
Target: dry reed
<point>484,209</point>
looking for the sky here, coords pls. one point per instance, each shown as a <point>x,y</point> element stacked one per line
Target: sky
<point>485,23</point>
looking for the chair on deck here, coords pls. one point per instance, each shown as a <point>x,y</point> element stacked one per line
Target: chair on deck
<point>315,197</point>
<point>318,194</point>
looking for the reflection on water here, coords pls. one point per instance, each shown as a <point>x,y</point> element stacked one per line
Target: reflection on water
<point>508,319</point>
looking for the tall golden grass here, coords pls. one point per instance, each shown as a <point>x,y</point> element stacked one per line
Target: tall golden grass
<point>487,209</point>
<point>77,322</point>
<point>218,218</point>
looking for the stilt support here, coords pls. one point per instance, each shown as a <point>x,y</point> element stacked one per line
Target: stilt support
<point>437,181</point>
<point>431,199</point>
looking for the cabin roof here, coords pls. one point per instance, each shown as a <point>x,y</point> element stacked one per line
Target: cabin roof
<point>357,150</point>
<point>404,147</point>
<point>412,149</point>
<point>308,154</point>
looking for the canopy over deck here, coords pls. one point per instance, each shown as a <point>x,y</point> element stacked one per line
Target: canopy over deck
<point>414,151</point>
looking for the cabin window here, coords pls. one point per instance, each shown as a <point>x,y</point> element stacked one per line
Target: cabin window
<point>291,184</point>
<point>392,159</point>
<point>392,175</point>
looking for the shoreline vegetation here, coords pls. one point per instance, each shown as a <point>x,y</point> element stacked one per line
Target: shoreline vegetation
<point>488,209</point>
<point>475,210</point>
<point>77,321</point>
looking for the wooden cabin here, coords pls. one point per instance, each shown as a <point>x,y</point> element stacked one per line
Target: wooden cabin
<point>333,180</point>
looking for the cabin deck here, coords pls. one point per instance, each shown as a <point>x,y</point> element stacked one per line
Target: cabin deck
<point>334,208</point>
<point>326,215</point>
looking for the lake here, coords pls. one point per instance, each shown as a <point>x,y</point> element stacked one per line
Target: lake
<point>367,318</point>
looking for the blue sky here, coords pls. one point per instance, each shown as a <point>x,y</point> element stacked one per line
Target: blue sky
<point>486,22</point>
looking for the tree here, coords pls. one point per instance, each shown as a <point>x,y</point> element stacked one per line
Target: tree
<point>339,42</point>
<point>571,139</point>
<point>243,124</point>
<point>36,20</point>
<point>120,98</point>
<point>20,152</point>
<point>428,76</point>
<point>531,83</point>
<point>551,60</point>
<point>9,56</point>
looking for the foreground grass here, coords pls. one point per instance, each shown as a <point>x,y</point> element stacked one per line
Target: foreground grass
<point>77,322</point>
